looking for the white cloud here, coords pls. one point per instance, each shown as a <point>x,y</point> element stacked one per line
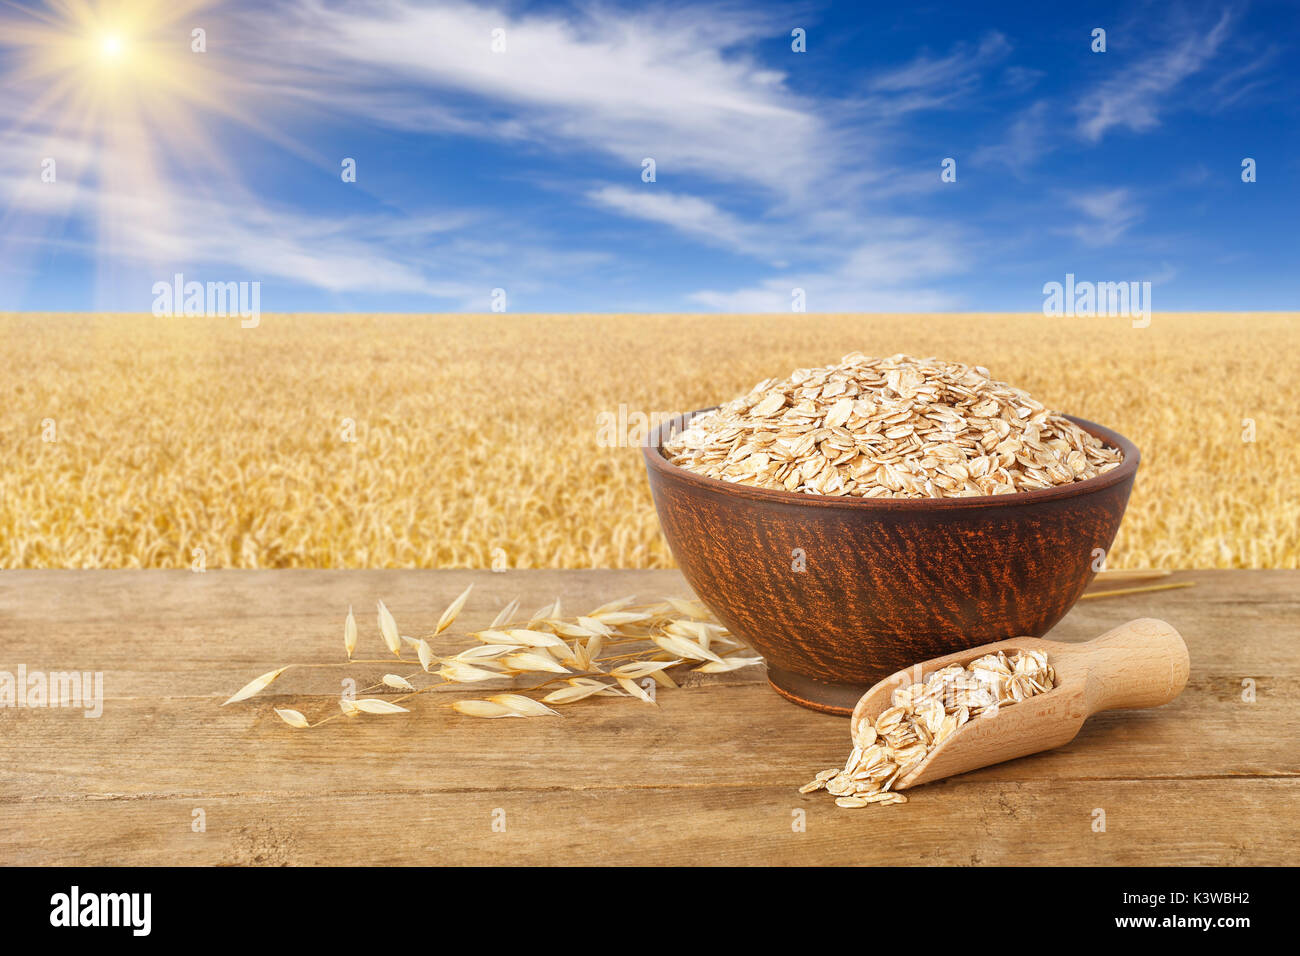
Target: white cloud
<point>885,274</point>
<point>1135,94</point>
<point>927,73</point>
<point>662,83</point>
<point>825,294</point>
<point>1110,212</point>
<point>1235,85</point>
<point>689,215</point>
<point>1028,138</point>
<point>1020,79</point>
<point>677,85</point>
<point>143,228</point>
<point>166,229</point>
<point>927,82</point>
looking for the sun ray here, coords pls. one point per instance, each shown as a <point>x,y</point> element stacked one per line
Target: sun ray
<point>118,83</point>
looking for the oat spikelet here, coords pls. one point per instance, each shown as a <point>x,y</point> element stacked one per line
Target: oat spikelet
<point>388,628</point>
<point>449,615</point>
<point>532,638</point>
<point>619,618</point>
<point>642,633</point>
<point>292,717</point>
<point>641,668</point>
<point>460,673</point>
<point>576,692</point>
<point>534,662</point>
<point>662,679</point>
<point>505,615</point>
<point>605,690</point>
<point>685,647</point>
<point>350,633</point>
<point>733,663</point>
<point>374,705</point>
<point>551,610</point>
<point>524,706</point>
<point>635,689</point>
<point>493,636</point>
<point>486,652</point>
<point>482,708</point>
<point>690,607</point>
<point>581,659</point>
<point>255,685</point>
<point>611,606</point>
<point>594,628</point>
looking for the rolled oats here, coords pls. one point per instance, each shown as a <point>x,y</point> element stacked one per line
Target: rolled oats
<point>923,715</point>
<point>896,427</point>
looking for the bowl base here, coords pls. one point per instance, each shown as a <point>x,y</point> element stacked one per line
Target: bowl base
<point>829,697</point>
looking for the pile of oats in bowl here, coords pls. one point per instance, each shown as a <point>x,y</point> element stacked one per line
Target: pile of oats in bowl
<point>924,715</point>
<point>896,427</point>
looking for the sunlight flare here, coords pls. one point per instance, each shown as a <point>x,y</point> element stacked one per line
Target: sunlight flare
<point>128,100</point>
<point>110,46</point>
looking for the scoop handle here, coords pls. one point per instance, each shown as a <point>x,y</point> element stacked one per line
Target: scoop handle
<point>1143,663</point>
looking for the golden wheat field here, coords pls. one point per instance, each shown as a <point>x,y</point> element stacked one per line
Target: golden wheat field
<point>133,441</point>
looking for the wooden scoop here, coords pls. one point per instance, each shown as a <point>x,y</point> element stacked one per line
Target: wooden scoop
<point>1142,663</point>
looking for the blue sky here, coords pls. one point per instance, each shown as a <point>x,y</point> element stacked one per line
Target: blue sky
<point>521,169</point>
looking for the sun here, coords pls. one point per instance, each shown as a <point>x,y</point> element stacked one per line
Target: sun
<point>129,109</point>
<point>128,101</point>
<point>111,46</point>
<point>61,54</point>
<point>116,81</point>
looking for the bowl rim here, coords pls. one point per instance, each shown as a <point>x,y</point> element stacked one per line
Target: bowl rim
<point>656,461</point>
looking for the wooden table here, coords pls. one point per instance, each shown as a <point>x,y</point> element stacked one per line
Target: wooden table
<point>709,776</point>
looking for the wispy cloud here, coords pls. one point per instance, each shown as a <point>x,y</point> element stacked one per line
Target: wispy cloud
<point>1134,96</point>
<point>927,82</point>
<point>1108,214</point>
<point>689,215</point>
<point>959,68</point>
<point>1246,80</point>
<point>154,232</point>
<point>1021,79</point>
<point>884,274</point>
<point>264,241</point>
<point>521,168</point>
<point>1028,137</point>
<point>654,82</point>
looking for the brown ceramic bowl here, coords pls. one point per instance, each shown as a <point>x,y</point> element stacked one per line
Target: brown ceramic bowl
<point>886,582</point>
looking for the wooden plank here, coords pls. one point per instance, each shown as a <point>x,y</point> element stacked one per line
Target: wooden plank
<point>1227,822</point>
<point>698,778</point>
<point>704,736</point>
<point>149,628</point>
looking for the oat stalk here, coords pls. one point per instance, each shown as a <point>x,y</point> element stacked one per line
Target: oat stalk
<point>610,651</point>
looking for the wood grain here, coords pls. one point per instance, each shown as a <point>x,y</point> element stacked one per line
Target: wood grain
<point>707,777</point>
